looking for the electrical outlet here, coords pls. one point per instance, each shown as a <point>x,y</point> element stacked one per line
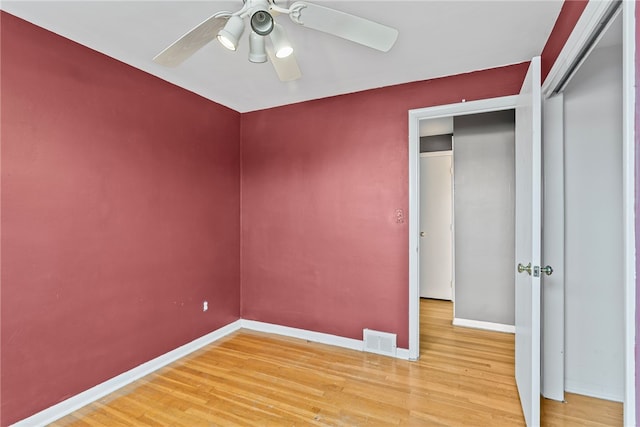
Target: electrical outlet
<point>205,306</point>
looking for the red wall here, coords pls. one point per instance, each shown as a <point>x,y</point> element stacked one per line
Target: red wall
<point>565,23</point>
<point>321,245</point>
<point>120,215</point>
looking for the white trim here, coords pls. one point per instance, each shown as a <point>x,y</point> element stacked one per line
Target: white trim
<point>453,226</point>
<point>84,398</point>
<point>489,326</point>
<point>414,229</point>
<point>464,108</point>
<point>577,387</point>
<point>628,170</point>
<point>593,13</point>
<point>451,110</point>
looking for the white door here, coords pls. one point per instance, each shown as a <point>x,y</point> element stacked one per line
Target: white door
<point>553,235</point>
<point>436,243</point>
<point>528,243</point>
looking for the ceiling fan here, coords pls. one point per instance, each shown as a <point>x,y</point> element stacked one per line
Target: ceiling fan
<point>228,27</point>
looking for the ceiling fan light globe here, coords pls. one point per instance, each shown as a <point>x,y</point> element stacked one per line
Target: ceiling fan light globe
<point>281,45</point>
<point>226,42</point>
<point>229,35</point>
<point>284,52</point>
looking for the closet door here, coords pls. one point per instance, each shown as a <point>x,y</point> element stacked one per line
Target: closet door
<point>436,234</point>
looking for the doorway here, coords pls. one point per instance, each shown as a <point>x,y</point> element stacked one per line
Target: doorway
<point>436,212</point>
<point>444,112</point>
<point>479,262</point>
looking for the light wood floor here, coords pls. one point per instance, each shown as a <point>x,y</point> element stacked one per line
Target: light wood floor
<point>464,377</point>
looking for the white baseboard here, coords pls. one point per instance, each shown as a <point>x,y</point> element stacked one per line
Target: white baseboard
<point>584,389</point>
<point>76,402</point>
<point>489,326</point>
<point>319,337</point>
<point>403,353</point>
<point>303,334</point>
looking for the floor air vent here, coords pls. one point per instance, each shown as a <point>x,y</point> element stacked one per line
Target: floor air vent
<point>379,342</point>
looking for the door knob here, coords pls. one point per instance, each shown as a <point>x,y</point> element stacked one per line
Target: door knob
<point>523,268</point>
<point>422,234</point>
<point>536,270</point>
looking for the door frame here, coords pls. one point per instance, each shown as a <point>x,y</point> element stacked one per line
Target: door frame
<point>629,169</point>
<point>415,116</point>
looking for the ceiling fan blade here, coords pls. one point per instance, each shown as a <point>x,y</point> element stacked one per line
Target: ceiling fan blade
<point>286,68</point>
<point>192,41</point>
<point>350,27</point>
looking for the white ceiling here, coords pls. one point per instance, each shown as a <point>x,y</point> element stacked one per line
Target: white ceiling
<point>437,38</point>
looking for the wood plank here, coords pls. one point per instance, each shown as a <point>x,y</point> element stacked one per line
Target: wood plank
<point>464,377</point>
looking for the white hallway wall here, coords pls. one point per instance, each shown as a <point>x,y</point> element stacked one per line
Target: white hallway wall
<point>484,175</point>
